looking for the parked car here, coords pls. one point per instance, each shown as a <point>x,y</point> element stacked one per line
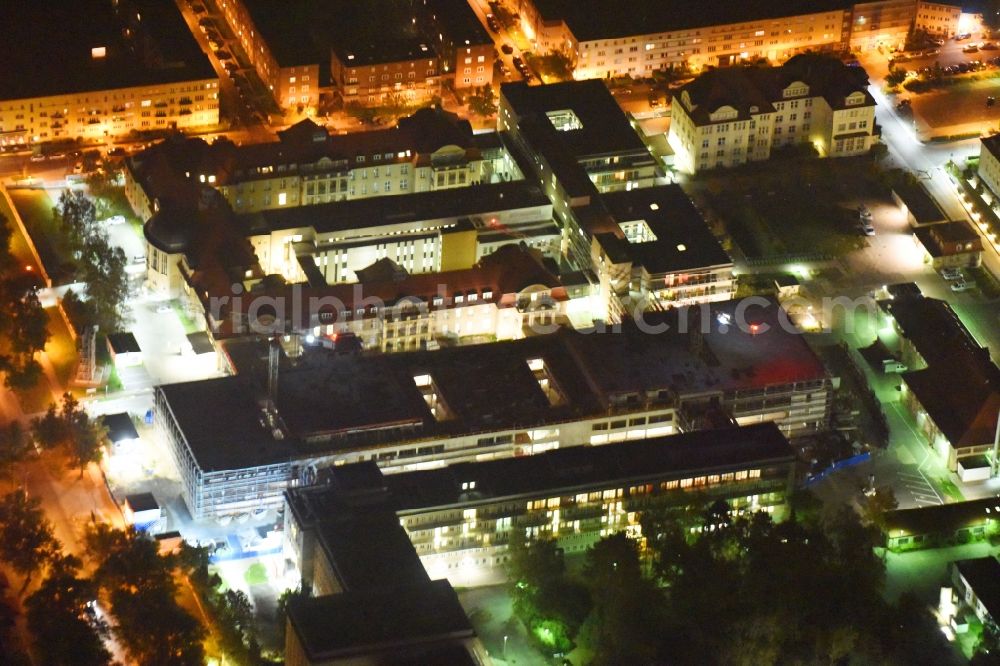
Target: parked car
<point>507,49</point>
<point>951,274</point>
<point>962,285</point>
<point>962,36</point>
<point>971,49</point>
<point>989,46</point>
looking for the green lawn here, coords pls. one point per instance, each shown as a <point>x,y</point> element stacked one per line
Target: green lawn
<point>35,209</point>
<point>798,205</point>
<point>255,574</point>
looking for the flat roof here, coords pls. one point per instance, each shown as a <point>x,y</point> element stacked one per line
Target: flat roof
<point>398,209</point>
<point>983,576</point>
<point>221,420</point>
<point>287,29</point>
<point>604,130</point>
<point>54,42</point>
<point>123,343</point>
<point>332,402</point>
<point>460,22</point>
<point>142,502</point>
<point>120,427</point>
<point>369,550</point>
<point>392,619</point>
<point>200,342</point>
<point>683,239</point>
<point>940,518</point>
<point>733,357</point>
<point>919,203</point>
<point>591,467</point>
<point>590,19</point>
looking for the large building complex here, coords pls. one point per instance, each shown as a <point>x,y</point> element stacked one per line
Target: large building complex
<point>728,117</point>
<point>420,410</point>
<point>952,387</point>
<point>462,518</point>
<point>114,69</point>
<point>652,35</point>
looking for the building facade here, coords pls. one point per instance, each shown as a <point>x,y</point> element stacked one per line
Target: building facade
<point>285,60</point>
<point>729,117</point>
<point>938,19</point>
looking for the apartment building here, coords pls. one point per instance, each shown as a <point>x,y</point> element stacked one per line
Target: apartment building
<point>655,35</point>
<point>938,19</point>
<point>652,36</point>
<point>732,116</point>
<point>428,151</point>
<point>467,51</point>
<point>421,410</point>
<point>989,163</point>
<point>882,24</point>
<point>396,73</point>
<point>278,39</point>
<point>461,519</point>
<point>115,69</point>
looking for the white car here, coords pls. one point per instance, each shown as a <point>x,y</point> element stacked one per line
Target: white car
<point>962,285</point>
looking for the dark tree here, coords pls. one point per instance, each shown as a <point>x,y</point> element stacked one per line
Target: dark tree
<point>57,618</point>
<point>26,540</point>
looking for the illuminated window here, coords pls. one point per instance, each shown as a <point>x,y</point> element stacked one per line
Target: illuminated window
<point>282,198</point>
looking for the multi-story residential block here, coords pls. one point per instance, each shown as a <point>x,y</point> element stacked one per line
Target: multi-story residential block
<point>467,51</point>
<point>396,73</point>
<point>428,151</point>
<point>115,69</point>
<point>655,35</point>
<point>938,19</point>
<point>989,163</point>
<point>278,39</point>
<point>882,24</point>
<point>461,519</point>
<point>729,117</point>
<point>952,387</point>
<point>651,36</point>
<point>420,410</point>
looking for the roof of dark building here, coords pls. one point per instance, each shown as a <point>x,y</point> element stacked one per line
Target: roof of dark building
<point>983,576</point>
<point>683,240</point>
<point>123,343</point>
<point>475,200</point>
<point>992,144</point>
<point>960,387</point>
<point>919,203</point>
<point>604,128</point>
<point>941,518</point>
<point>341,402</point>
<point>200,342</point>
<point>370,549</point>
<point>948,238</point>
<point>142,502</point>
<point>460,22</point>
<point>590,19</point>
<point>934,328</point>
<point>54,41</point>
<point>393,621</point>
<point>590,467</point>
<point>120,427</point>
<point>287,28</point>
<point>221,419</point>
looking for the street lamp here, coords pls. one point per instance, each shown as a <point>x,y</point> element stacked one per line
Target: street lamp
<point>505,647</point>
